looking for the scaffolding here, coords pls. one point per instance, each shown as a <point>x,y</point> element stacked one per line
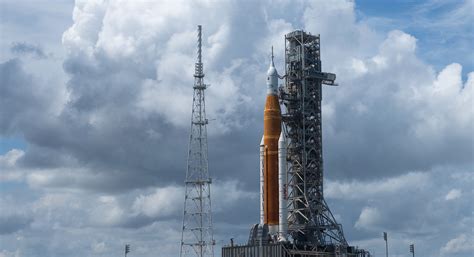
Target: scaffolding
<point>309,218</point>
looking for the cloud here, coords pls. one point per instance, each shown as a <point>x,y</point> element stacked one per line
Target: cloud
<point>26,101</point>
<point>106,150</point>
<point>161,203</point>
<point>13,223</point>
<point>461,244</point>
<point>22,48</point>
<point>453,25</point>
<point>364,190</point>
<point>10,158</point>
<point>13,217</point>
<point>369,216</point>
<point>416,120</point>
<point>68,218</point>
<point>126,81</point>
<point>412,208</point>
<point>453,194</point>
<point>5,253</point>
<point>8,163</point>
<point>99,247</point>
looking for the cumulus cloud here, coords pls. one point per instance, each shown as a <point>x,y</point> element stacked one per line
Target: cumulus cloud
<point>126,81</point>
<point>161,203</point>
<point>408,212</point>
<point>161,50</point>
<point>365,190</point>
<point>416,120</point>
<point>106,151</point>
<point>463,243</point>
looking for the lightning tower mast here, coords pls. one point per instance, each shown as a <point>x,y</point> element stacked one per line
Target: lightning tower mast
<point>197,234</point>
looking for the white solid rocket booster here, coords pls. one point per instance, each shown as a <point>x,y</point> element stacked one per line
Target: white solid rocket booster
<point>282,186</point>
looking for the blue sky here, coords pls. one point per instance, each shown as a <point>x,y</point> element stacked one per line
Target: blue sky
<point>95,100</point>
<point>443,35</point>
<point>6,144</point>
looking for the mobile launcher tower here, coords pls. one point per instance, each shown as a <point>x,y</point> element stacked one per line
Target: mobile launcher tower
<point>295,220</point>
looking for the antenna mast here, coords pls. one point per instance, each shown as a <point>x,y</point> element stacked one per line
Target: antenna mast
<point>197,235</point>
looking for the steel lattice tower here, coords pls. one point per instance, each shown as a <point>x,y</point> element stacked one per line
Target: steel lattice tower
<point>197,236</point>
<point>309,218</point>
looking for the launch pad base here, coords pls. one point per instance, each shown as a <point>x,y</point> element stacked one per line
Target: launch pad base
<point>287,250</point>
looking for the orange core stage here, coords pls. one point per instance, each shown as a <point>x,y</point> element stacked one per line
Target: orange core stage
<point>271,134</point>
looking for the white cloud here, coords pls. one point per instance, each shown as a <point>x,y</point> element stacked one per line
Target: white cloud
<point>162,203</point>
<point>130,66</point>
<point>463,243</point>
<point>159,38</point>
<point>61,178</point>
<point>167,201</point>
<point>228,193</point>
<point>366,190</point>
<point>342,36</point>
<point>83,34</point>
<point>368,218</point>
<point>99,247</point>
<point>108,211</point>
<point>276,28</point>
<point>5,253</point>
<point>359,66</point>
<point>391,97</point>
<point>410,207</point>
<point>453,194</point>
<point>11,157</point>
<point>8,169</point>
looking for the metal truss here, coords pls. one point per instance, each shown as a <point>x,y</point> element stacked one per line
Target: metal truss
<point>310,220</point>
<point>197,234</point>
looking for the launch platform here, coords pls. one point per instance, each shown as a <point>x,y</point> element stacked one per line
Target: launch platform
<point>280,249</point>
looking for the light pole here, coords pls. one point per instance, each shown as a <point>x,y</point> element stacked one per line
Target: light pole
<point>412,249</point>
<point>127,249</point>
<point>386,243</point>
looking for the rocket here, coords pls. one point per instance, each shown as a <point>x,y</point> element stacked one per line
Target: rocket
<point>273,161</point>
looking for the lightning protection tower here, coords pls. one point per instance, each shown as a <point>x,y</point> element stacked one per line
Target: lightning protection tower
<point>197,235</point>
<point>310,221</point>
